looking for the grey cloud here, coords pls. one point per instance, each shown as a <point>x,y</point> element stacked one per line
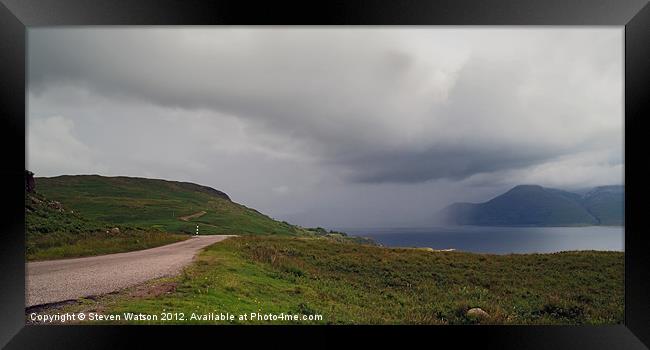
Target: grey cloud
<point>343,92</point>
<point>269,111</point>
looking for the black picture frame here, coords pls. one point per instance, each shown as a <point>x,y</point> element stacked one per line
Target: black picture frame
<point>17,15</point>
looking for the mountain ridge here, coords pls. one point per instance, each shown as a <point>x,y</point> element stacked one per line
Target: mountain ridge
<point>534,205</point>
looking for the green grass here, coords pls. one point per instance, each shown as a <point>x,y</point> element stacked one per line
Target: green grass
<point>159,204</point>
<point>55,232</point>
<point>63,246</point>
<point>349,283</point>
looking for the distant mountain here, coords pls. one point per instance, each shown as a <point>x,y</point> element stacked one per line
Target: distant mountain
<point>533,205</point>
<point>606,203</point>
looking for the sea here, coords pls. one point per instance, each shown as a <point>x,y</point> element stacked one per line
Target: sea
<point>499,240</point>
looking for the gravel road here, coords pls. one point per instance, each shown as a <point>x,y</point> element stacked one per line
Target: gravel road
<point>60,280</point>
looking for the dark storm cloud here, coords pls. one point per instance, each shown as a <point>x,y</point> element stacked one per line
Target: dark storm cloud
<point>452,163</point>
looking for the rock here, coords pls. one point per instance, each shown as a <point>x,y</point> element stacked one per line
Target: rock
<point>115,230</point>
<point>477,312</point>
<point>56,205</point>
<point>35,200</point>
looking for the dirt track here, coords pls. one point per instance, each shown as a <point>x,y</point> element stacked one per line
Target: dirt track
<point>193,216</point>
<point>60,280</point>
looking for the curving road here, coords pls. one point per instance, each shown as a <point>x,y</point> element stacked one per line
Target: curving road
<point>60,280</point>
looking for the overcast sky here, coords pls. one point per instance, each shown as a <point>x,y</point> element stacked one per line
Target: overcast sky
<point>337,127</point>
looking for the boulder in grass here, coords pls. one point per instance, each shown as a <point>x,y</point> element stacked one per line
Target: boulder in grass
<point>477,313</point>
<point>115,230</point>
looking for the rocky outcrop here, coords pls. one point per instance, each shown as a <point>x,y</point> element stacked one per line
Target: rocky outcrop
<point>30,184</point>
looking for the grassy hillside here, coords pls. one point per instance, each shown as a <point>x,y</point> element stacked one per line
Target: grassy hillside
<point>169,206</point>
<point>71,216</point>
<point>349,283</point>
<point>54,231</point>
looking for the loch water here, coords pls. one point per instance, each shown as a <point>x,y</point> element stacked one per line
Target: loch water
<point>499,240</point>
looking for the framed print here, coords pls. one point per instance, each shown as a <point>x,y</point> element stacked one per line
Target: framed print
<point>462,172</point>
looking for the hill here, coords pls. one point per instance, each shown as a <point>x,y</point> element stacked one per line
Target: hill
<point>169,206</point>
<point>532,205</point>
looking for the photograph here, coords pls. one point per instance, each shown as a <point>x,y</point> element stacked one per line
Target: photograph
<point>325,175</point>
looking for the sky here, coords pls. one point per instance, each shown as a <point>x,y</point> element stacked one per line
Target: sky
<point>334,127</point>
